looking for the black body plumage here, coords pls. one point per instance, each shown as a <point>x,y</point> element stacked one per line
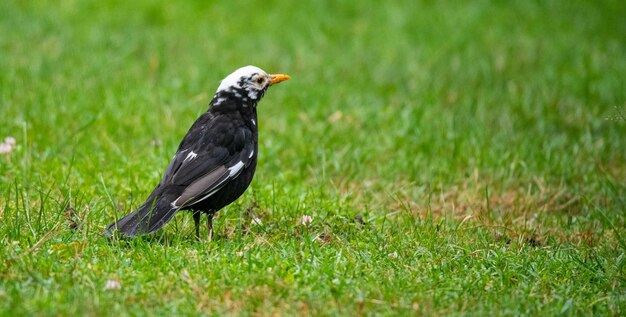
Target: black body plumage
<point>215,161</point>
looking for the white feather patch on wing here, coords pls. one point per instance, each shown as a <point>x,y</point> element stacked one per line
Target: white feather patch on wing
<point>235,169</point>
<point>192,155</point>
<point>174,203</point>
<point>251,153</point>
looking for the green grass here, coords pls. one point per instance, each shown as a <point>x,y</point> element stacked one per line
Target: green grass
<point>483,143</point>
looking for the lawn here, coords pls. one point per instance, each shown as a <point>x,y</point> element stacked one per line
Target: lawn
<point>455,157</point>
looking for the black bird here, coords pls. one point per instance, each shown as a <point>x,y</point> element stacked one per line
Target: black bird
<point>215,161</point>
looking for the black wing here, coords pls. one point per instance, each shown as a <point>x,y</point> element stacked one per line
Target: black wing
<point>214,151</point>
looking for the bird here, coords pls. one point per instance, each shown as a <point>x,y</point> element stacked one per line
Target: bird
<point>215,161</point>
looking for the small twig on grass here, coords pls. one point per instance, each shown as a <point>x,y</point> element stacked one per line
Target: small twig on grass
<point>601,299</point>
<point>43,239</point>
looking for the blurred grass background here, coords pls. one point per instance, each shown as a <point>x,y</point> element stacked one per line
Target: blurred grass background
<point>494,127</point>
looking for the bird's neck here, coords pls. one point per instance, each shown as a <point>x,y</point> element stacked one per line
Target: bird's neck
<point>237,97</point>
<point>233,102</point>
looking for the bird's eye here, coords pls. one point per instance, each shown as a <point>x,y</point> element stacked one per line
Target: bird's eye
<point>260,80</point>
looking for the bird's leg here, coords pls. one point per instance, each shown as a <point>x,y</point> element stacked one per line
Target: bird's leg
<point>196,220</point>
<point>210,224</point>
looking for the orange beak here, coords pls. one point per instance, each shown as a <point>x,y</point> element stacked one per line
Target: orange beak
<point>277,78</point>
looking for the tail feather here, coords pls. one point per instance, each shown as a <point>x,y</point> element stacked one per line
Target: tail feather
<point>148,218</point>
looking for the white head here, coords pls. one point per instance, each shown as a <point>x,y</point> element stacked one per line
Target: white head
<point>249,82</point>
